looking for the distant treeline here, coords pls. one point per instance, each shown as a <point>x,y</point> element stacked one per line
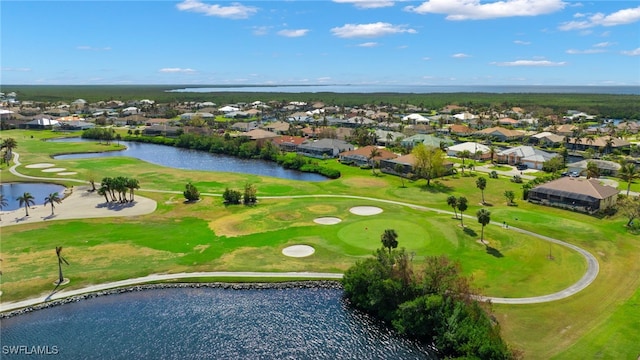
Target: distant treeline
<point>240,146</point>
<point>605,105</point>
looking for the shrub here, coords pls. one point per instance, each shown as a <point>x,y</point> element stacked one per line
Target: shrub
<point>191,193</point>
<point>231,196</point>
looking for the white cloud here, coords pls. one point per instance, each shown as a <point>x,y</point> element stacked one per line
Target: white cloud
<point>522,42</point>
<point>367,4</point>
<point>370,30</point>
<point>91,48</point>
<point>233,11</point>
<point>635,52</point>
<point>620,17</point>
<point>542,63</point>
<point>176,70</point>
<point>587,51</point>
<point>603,44</point>
<point>369,44</point>
<point>474,10</point>
<point>426,58</point>
<point>12,69</point>
<point>460,56</point>
<point>324,79</point>
<point>293,33</point>
<point>261,30</point>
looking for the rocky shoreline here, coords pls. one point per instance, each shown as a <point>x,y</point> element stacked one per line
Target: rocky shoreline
<point>311,284</point>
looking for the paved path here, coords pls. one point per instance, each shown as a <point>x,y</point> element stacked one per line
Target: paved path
<point>10,306</point>
<point>589,276</point>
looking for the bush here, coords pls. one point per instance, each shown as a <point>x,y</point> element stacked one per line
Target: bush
<point>191,193</point>
<point>231,196</point>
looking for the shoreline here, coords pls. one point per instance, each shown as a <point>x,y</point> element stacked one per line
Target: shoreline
<point>310,284</point>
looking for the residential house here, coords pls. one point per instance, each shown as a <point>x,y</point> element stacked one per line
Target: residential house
<point>604,167</point>
<point>244,126</point>
<point>460,130</point>
<point>324,148</point>
<point>41,123</point>
<point>164,130</point>
<point>407,165</point>
<point>477,151</point>
<point>278,127</point>
<point>260,135</point>
<point>361,156</point>
<point>548,139</point>
<point>527,155</point>
<point>427,140</point>
<point>500,133</point>
<point>289,143</point>
<point>585,195</point>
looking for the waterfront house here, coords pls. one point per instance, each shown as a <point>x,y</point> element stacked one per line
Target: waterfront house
<point>324,148</point>
<point>361,156</point>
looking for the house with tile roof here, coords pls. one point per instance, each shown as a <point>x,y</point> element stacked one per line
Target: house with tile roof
<point>288,143</point>
<point>584,195</point>
<point>360,156</point>
<point>324,148</point>
<point>500,133</point>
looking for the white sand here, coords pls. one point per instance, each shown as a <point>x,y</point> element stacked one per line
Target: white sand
<point>39,166</point>
<point>67,173</point>
<point>365,210</point>
<point>298,251</point>
<point>53,169</point>
<point>328,220</point>
<point>78,204</point>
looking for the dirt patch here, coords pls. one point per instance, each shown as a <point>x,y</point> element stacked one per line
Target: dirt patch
<point>361,182</point>
<point>285,216</point>
<point>201,248</point>
<point>322,209</point>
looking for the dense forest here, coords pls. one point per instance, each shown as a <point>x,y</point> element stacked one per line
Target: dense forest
<point>607,105</point>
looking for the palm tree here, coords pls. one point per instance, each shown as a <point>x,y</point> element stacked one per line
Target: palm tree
<point>9,144</point>
<point>481,183</point>
<point>399,168</point>
<point>4,202</point>
<point>592,170</point>
<point>26,199</point>
<point>389,239</point>
<point>492,153</point>
<point>484,217</point>
<point>132,184</point>
<point>51,199</point>
<point>628,172</point>
<point>462,207</point>
<point>375,152</point>
<point>453,202</point>
<point>60,261</point>
<point>464,154</point>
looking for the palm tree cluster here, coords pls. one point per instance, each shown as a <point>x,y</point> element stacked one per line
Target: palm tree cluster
<point>116,189</point>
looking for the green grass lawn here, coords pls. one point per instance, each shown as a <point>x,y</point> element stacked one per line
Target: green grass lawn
<point>207,236</point>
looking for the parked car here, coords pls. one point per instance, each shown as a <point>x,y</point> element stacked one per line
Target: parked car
<point>522,167</point>
<point>574,174</point>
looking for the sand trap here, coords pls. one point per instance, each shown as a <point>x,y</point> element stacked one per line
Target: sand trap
<point>39,166</point>
<point>365,210</point>
<point>53,169</point>
<point>298,251</point>
<point>328,220</point>
<point>67,173</point>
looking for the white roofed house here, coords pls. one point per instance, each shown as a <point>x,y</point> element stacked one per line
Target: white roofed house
<point>42,123</point>
<point>324,148</point>
<point>475,149</point>
<point>527,155</point>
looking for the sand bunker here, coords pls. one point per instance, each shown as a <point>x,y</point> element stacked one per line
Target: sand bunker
<point>53,169</point>
<point>365,210</point>
<point>67,173</point>
<point>298,251</point>
<point>39,166</point>
<point>328,220</point>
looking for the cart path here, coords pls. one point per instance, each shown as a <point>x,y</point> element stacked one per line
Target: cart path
<point>590,275</point>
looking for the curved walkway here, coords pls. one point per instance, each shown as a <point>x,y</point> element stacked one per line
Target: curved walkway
<point>590,275</point>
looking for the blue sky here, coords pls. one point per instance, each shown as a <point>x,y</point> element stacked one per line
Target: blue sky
<point>435,42</point>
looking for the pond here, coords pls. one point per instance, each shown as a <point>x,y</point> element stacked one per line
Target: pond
<point>209,323</point>
<point>196,160</point>
<point>11,191</point>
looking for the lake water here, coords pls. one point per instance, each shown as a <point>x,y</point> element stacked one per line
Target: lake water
<point>420,89</point>
<point>196,160</point>
<point>209,323</point>
<point>12,191</point>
